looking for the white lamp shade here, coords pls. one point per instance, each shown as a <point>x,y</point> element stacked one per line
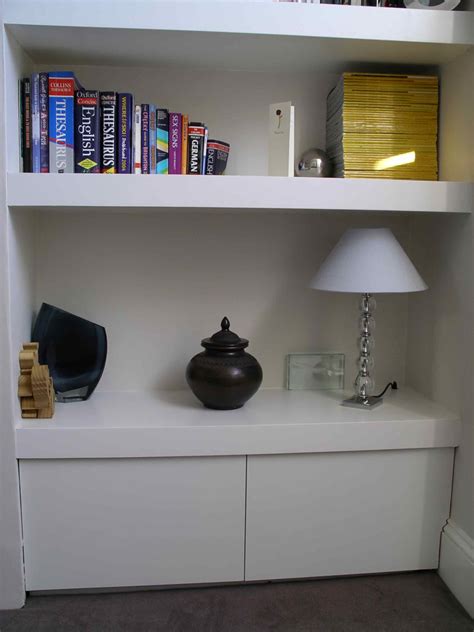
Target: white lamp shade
<point>368,261</point>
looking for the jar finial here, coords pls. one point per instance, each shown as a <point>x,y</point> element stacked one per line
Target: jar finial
<point>225,324</point>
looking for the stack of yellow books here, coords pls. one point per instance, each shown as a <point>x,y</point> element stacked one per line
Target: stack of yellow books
<point>383,126</point>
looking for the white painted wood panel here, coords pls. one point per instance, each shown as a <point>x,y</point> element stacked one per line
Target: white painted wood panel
<point>247,35</point>
<point>12,592</point>
<point>277,421</point>
<point>456,565</point>
<point>137,522</point>
<point>53,191</point>
<point>340,514</point>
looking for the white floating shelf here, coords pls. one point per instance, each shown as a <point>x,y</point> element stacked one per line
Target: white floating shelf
<point>106,192</point>
<point>235,35</point>
<point>275,421</point>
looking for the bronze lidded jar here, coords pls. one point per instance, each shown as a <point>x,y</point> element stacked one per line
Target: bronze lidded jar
<point>224,376</point>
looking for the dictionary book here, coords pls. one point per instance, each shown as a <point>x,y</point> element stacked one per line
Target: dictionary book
<point>196,135</point>
<point>124,132</point>
<point>145,142</point>
<point>124,125</point>
<point>61,87</point>
<point>162,122</point>
<point>204,152</point>
<point>86,132</point>
<point>184,143</point>
<point>152,138</point>
<point>44,137</point>
<point>26,125</point>
<point>35,123</point>
<point>137,137</point>
<point>217,155</point>
<point>108,126</point>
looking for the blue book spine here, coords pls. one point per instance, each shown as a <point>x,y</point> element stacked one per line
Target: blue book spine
<point>152,137</point>
<point>204,152</point>
<point>124,117</point>
<point>61,122</point>
<point>44,122</point>
<point>145,138</point>
<point>162,122</point>
<point>35,122</point>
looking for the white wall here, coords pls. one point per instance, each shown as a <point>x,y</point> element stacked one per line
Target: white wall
<point>458,134</point>
<point>160,283</point>
<point>233,104</point>
<point>440,360</point>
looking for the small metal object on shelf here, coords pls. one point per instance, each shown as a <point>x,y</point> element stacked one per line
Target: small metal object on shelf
<point>314,163</point>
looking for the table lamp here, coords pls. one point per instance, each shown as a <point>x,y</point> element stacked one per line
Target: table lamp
<point>367,261</point>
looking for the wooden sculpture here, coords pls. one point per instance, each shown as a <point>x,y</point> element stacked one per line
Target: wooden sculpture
<point>35,386</point>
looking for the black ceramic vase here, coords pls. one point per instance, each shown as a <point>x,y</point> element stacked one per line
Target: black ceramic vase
<point>224,376</point>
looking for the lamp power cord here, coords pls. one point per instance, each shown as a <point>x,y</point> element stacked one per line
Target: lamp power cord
<point>393,385</point>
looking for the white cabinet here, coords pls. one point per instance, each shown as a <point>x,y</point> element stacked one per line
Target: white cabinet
<point>345,513</point>
<point>92,523</point>
<point>292,485</point>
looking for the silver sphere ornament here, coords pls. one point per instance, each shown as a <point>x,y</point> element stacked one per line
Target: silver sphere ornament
<point>314,163</point>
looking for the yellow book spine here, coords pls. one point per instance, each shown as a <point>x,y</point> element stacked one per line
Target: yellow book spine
<point>184,143</point>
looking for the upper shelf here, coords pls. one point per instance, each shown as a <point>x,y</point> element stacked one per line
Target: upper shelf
<point>235,35</point>
<point>95,191</point>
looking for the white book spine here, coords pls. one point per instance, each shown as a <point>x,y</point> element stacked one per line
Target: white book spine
<point>137,140</point>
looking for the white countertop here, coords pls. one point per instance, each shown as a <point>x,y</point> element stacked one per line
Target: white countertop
<point>174,423</point>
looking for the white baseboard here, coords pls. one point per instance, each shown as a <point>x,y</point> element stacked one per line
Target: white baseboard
<point>456,566</point>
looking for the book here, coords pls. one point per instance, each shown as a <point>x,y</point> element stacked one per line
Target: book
<point>184,143</point>
<point>145,143</point>
<point>162,122</point>
<point>26,125</point>
<point>86,132</point>
<point>137,138</point>
<point>21,129</point>
<point>108,127</point>
<point>217,155</point>
<point>124,129</point>
<point>61,85</point>
<point>204,151</point>
<point>35,123</point>
<point>44,135</point>
<point>174,158</point>
<point>281,140</point>
<point>152,138</point>
<point>196,134</point>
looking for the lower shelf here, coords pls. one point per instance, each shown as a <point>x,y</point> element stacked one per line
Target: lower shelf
<point>94,191</point>
<point>126,424</point>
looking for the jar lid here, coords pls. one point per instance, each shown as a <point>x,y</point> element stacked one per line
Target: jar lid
<point>225,340</point>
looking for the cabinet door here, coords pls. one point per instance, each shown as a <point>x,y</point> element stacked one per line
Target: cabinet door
<point>346,513</point>
<point>132,522</point>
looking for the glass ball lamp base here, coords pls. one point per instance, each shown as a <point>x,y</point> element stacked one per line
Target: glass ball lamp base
<point>364,383</point>
<point>367,403</point>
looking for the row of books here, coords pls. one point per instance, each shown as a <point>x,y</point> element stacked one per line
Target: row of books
<point>66,129</point>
